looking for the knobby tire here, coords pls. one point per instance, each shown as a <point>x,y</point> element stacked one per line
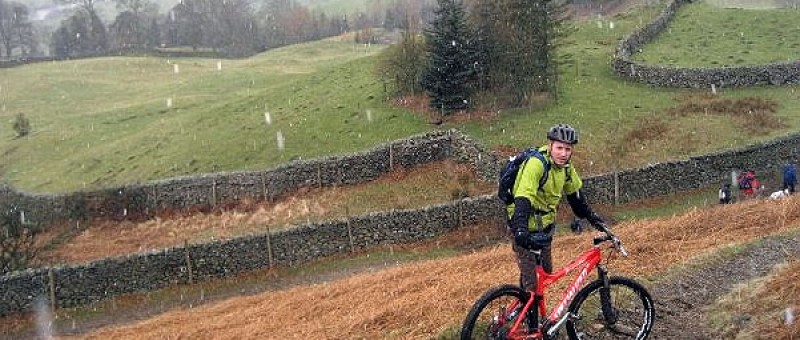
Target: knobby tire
<point>489,317</point>
<point>630,316</point>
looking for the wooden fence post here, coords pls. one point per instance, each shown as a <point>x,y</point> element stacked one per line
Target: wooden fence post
<point>319,176</point>
<point>350,230</point>
<point>264,188</point>
<point>616,186</point>
<point>391,157</point>
<point>188,260</point>
<point>269,247</point>
<point>460,214</point>
<point>51,277</point>
<point>154,203</point>
<point>214,193</point>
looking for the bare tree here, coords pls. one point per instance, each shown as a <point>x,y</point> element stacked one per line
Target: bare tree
<point>185,24</point>
<point>402,64</point>
<point>86,5</point>
<point>16,30</point>
<point>137,7</point>
<point>97,37</point>
<point>233,29</point>
<point>226,26</point>
<point>130,26</point>
<point>79,35</point>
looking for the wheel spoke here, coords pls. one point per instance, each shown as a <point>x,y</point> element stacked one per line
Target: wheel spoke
<point>494,315</point>
<point>632,311</point>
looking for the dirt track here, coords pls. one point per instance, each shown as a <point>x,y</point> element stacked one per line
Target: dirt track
<point>420,300</point>
<point>682,297</point>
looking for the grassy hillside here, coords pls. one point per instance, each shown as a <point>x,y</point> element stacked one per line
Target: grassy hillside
<point>103,121</point>
<point>707,35</point>
<point>106,121</point>
<point>633,123</point>
<point>340,6</point>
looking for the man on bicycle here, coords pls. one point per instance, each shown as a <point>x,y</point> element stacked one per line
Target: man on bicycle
<point>533,214</point>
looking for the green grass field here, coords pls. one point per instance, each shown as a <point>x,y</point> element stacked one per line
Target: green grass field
<point>106,121</point>
<point>709,36</point>
<point>334,7</point>
<point>608,110</point>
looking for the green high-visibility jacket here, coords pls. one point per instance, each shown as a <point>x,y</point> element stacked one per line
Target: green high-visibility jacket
<point>544,201</point>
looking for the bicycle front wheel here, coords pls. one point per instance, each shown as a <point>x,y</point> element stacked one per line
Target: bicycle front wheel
<point>495,313</point>
<point>626,312</point>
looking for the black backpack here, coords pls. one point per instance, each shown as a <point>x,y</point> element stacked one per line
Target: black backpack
<point>744,183</point>
<point>508,175</point>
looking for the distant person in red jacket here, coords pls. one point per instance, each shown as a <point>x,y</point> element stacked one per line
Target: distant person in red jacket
<point>748,184</point>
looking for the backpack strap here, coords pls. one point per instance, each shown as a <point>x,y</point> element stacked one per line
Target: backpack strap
<point>537,214</point>
<point>546,165</point>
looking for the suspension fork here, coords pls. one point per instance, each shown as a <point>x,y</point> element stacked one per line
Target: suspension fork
<point>609,314</point>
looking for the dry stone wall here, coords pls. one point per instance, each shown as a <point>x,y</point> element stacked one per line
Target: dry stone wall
<point>143,201</point>
<point>671,76</point>
<point>665,178</point>
<point>68,286</point>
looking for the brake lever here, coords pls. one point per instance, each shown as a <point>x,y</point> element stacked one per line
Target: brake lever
<point>618,245</point>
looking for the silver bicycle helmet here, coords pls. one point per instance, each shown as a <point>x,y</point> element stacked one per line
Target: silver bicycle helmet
<point>563,133</point>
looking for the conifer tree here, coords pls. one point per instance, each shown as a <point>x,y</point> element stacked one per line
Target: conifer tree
<point>450,74</point>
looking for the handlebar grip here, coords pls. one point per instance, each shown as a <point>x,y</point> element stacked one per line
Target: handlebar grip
<point>602,238</point>
<point>602,227</point>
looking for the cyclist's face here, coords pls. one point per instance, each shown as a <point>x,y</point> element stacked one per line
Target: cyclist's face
<point>560,152</point>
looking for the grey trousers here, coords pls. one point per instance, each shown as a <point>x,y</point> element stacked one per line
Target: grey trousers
<point>526,261</point>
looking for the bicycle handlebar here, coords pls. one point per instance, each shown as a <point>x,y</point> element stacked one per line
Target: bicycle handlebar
<point>607,235</point>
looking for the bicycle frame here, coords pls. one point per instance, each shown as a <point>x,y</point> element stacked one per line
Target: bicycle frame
<point>587,261</point>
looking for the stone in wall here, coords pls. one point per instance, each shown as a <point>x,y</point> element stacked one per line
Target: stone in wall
<point>308,242</point>
<point>399,226</point>
<point>357,168</point>
<point>99,280</point>
<point>420,150</point>
<point>20,289</point>
<point>224,258</point>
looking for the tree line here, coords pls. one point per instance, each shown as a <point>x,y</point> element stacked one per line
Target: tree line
<point>16,30</point>
<point>498,49</point>
<point>230,28</point>
<point>452,50</point>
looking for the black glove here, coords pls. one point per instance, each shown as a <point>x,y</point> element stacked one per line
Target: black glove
<point>597,221</point>
<point>522,238</point>
<point>576,226</point>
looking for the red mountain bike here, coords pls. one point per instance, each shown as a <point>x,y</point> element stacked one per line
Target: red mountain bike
<point>611,307</point>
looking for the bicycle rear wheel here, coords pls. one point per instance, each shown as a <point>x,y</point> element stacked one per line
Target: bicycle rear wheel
<point>629,312</point>
<point>495,313</point>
